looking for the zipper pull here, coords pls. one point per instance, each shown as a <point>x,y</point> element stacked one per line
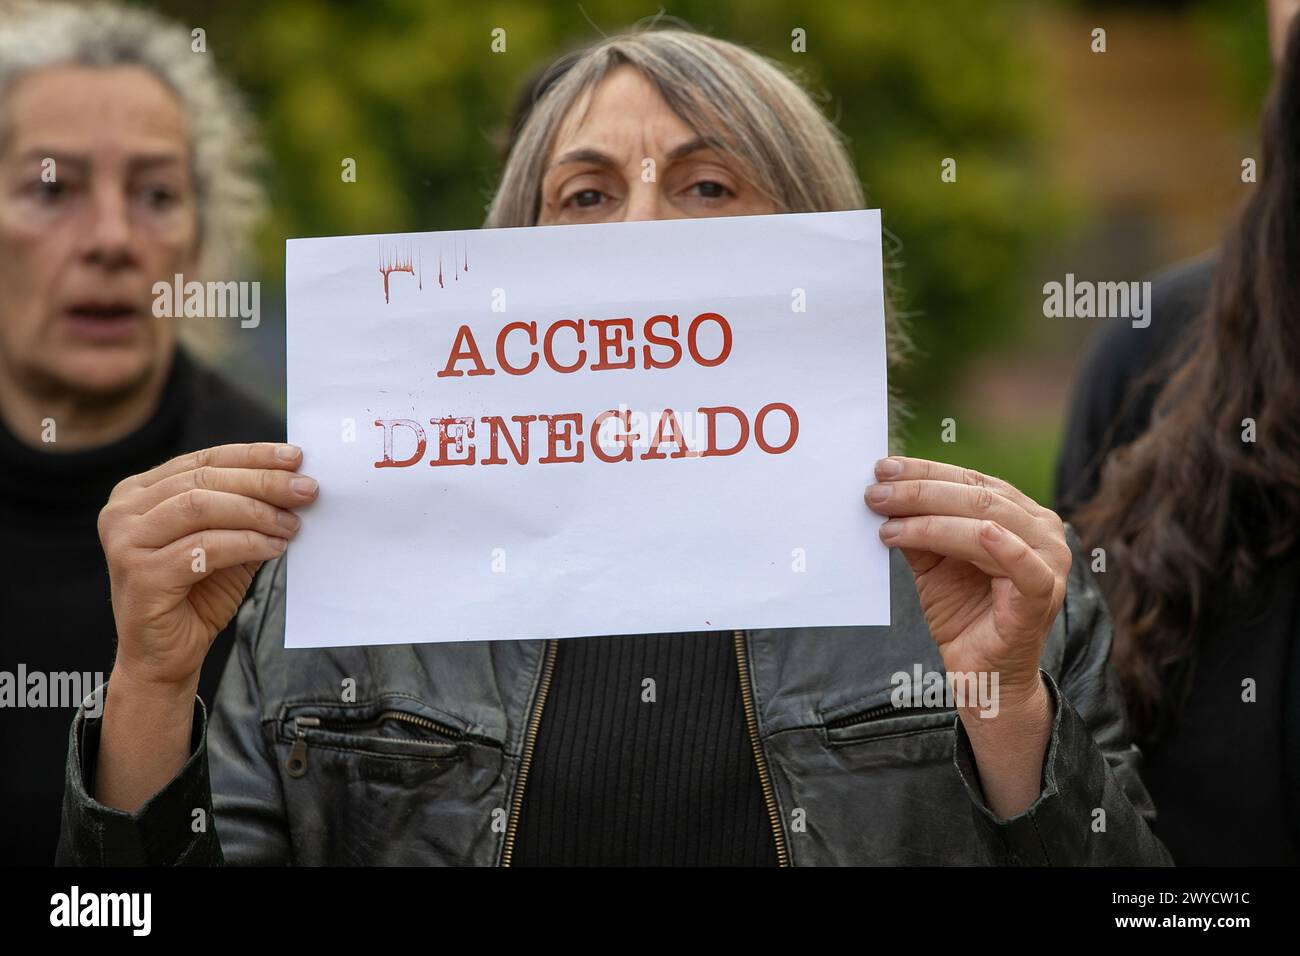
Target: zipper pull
<point>297,764</point>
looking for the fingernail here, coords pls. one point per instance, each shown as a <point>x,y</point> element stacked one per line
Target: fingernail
<point>287,452</point>
<point>878,493</point>
<point>279,544</point>
<point>303,485</point>
<point>888,468</point>
<point>288,519</point>
<point>891,528</point>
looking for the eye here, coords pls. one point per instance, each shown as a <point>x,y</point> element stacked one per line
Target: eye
<point>708,189</point>
<point>159,197</point>
<point>46,192</point>
<point>584,198</point>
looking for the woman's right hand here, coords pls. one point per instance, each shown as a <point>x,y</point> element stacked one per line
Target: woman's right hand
<point>183,542</point>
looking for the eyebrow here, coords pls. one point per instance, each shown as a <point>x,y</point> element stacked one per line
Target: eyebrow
<point>594,156</point>
<point>698,144</point>
<point>78,160</point>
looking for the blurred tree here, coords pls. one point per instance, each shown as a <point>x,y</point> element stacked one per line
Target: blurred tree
<point>412,91</point>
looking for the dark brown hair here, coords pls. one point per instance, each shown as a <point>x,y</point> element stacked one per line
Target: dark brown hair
<point>1192,514</point>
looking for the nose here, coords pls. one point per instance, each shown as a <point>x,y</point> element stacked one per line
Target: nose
<point>106,239</point>
<point>645,203</point>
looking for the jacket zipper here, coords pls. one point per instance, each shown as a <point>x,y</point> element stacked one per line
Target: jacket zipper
<point>297,763</point>
<point>530,743</point>
<point>764,777</point>
<point>864,716</point>
<point>880,711</point>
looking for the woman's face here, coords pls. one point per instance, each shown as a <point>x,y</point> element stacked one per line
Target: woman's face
<point>630,158</point>
<point>96,204</point>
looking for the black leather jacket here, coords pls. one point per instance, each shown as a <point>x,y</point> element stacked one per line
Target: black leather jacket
<point>429,765</point>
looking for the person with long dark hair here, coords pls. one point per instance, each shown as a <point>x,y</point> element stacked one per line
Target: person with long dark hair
<point>1198,514</point>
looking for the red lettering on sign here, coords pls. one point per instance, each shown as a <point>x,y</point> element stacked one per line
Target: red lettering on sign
<point>468,350</point>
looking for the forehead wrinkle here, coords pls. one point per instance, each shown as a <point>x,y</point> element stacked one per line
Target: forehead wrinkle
<point>649,118</point>
<point>52,101</point>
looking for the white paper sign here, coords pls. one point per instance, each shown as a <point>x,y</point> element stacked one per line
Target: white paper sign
<point>595,429</point>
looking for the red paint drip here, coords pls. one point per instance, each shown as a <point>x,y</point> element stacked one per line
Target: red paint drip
<point>411,261</point>
<point>389,265</point>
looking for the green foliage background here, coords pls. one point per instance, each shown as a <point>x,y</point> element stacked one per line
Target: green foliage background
<point>411,90</point>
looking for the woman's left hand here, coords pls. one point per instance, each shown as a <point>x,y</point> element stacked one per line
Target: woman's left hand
<point>990,566</point>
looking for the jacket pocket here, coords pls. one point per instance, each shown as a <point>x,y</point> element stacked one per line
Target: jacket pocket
<point>390,728</point>
<point>887,722</point>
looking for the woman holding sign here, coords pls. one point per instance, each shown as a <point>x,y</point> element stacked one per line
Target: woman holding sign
<point>797,746</point>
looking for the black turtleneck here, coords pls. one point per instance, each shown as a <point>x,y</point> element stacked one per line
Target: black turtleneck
<point>621,780</point>
<point>55,612</point>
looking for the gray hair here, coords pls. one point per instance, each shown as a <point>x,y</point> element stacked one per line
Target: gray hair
<point>225,154</point>
<point>751,106</point>
<point>760,115</point>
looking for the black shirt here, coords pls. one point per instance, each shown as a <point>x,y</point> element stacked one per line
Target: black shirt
<point>55,612</point>
<point>643,759</point>
<point>1225,777</point>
